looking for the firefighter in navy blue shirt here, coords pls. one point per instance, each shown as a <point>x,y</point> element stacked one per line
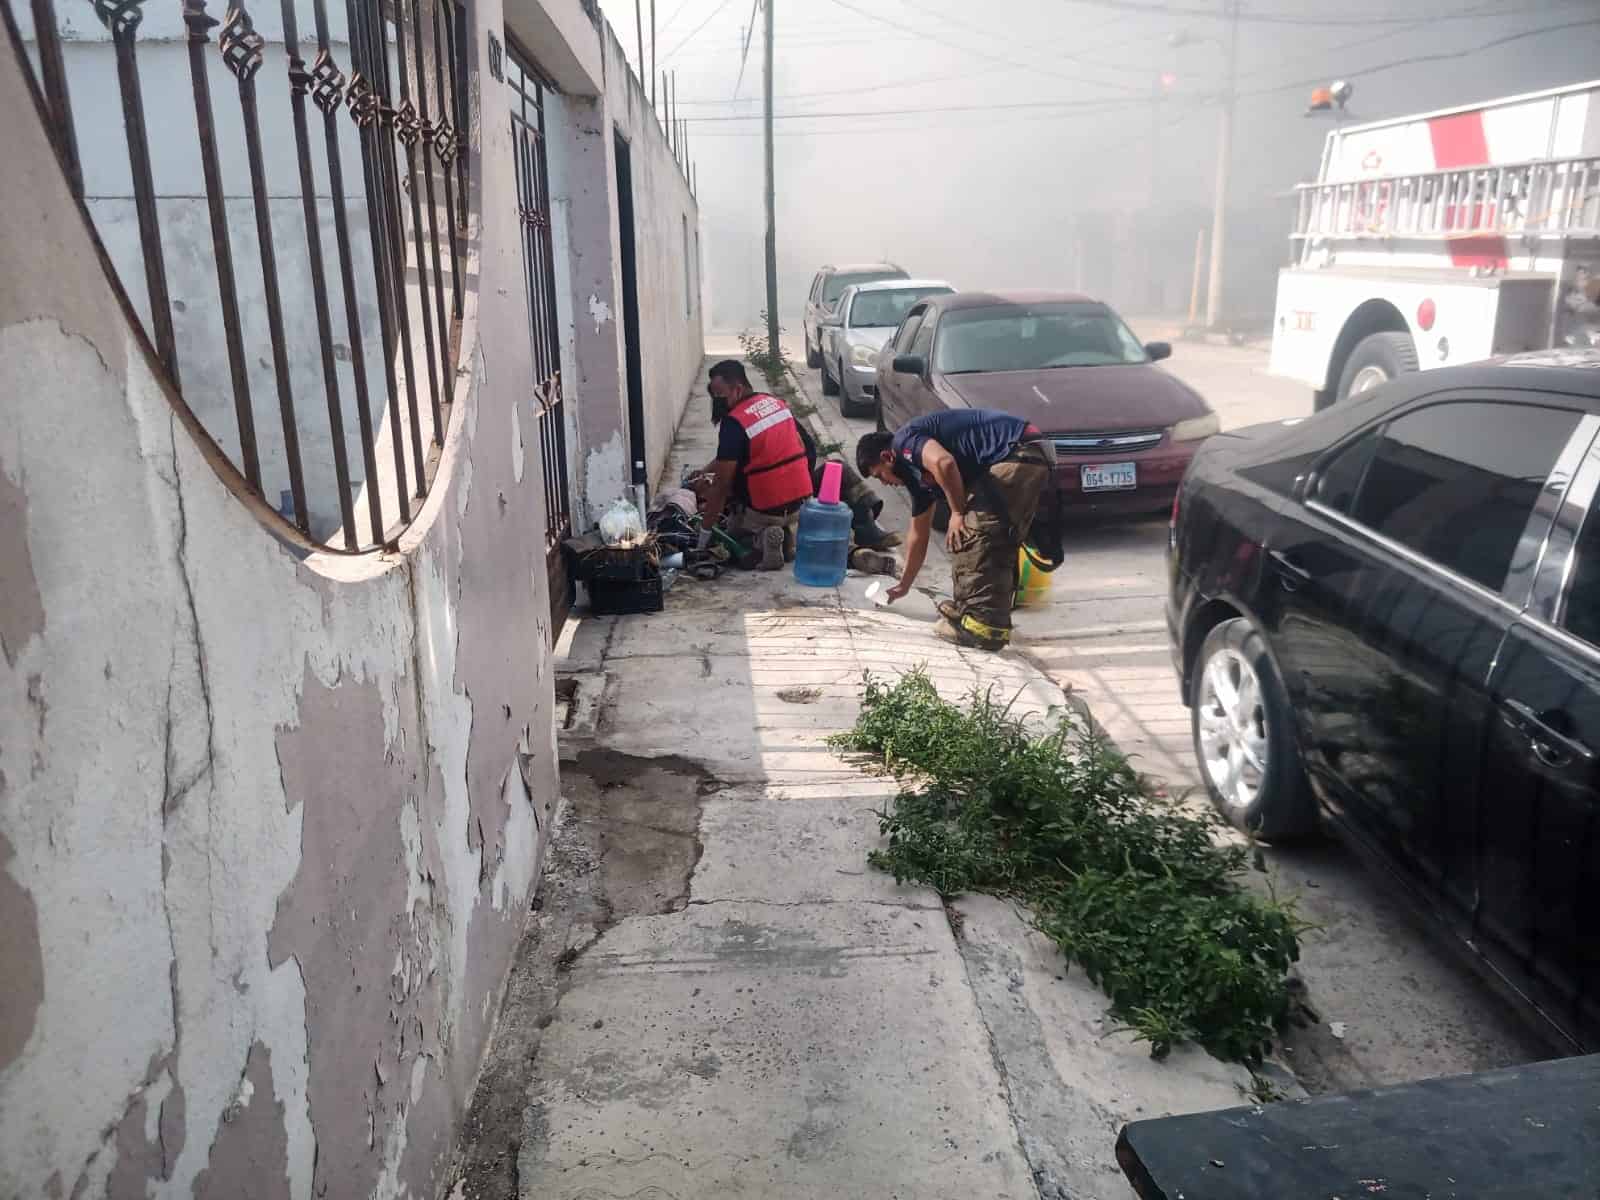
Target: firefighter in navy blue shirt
<point>991,469</point>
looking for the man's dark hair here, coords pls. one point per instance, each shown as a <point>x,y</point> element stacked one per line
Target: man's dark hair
<point>730,370</point>
<point>870,448</point>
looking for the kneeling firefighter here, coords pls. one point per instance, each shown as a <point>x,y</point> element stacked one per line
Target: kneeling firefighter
<point>761,464</point>
<point>733,399</point>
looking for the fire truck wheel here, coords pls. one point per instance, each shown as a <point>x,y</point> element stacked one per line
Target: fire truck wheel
<point>1377,358</point>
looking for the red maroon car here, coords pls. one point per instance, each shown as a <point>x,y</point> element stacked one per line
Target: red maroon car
<point>1124,429</point>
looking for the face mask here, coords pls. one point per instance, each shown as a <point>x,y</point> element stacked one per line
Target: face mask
<point>719,409</point>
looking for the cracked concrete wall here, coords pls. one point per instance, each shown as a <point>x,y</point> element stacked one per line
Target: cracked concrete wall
<point>269,822</point>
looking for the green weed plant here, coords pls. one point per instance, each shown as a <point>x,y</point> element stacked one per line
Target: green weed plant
<point>1134,889</point>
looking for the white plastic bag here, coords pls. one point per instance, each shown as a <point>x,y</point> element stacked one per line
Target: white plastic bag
<point>620,526</point>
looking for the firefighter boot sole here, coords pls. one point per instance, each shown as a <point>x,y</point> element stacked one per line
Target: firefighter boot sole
<point>771,547</point>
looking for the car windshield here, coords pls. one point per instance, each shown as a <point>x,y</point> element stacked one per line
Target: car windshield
<point>834,288</point>
<point>1034,337</point>
<point>886,309</point>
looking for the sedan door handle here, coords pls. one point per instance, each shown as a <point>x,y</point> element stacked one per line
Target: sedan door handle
<point>1550,746</point>
<point>1290,573</point>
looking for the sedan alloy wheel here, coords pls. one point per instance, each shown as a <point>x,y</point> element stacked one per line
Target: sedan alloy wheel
<point>1232,740</point>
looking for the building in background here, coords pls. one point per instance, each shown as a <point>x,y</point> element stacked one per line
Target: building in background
<point>320,325</point>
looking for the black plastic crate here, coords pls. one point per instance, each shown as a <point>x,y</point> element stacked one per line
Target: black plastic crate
<point>622,566</point>
<point>616,598</point>
<point>591,560</point>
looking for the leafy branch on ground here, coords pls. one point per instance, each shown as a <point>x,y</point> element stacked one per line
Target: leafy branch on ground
<point>780,372</point>
<point>1136,891</point>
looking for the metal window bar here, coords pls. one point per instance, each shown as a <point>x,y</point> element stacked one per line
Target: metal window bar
<point>528,129</point>
<point>423,43</point>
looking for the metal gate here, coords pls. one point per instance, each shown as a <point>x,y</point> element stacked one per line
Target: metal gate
<point>528,89</point>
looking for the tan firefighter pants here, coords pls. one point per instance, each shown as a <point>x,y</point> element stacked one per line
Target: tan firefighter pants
<point>999,513</point>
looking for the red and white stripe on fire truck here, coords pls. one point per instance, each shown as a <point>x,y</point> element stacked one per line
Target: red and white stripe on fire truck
<point>1362,272</point>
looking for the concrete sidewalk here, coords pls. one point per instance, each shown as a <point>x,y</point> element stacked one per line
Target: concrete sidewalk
<point>739,1005</point>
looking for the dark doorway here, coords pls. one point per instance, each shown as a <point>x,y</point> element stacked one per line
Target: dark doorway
<point>630,312</point>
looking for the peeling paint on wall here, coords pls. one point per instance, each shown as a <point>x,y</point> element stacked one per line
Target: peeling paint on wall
<point>22,614</point>
<point>250,1154</point>
<point>606,470</point>
<point>24,963</point>
<point>270,822</point>
<point>367,958</point>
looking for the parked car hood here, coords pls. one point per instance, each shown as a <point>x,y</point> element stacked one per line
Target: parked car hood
<point>873,336</point>
<point>1062,399</point>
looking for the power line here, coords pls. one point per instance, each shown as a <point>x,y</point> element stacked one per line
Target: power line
<point>1267,18</point>
<point>711,17</point>
<point>1022,66</point>
<point>909,127</point>
<point>744,53</point>
<point>1439,56</point>
<point>667,24</point>
<point>1099,102</point>
<point>1082,108</point>
<point>926,79</point>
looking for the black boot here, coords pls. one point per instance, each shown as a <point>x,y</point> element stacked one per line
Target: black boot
<point>865,530</point>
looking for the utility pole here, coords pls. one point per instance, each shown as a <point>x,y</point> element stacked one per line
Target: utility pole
<point>772,219</point>
<point>1155,140</point>
<point>638,29</point>
<point>672,112</point>
<point>652,53</point>
<point>1219,215</point>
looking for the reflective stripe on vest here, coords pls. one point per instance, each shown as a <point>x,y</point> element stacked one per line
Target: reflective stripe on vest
<point>776,471</point>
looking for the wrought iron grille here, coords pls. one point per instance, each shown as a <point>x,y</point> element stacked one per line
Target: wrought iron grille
<point>221,213</point>
<point>528,93</point>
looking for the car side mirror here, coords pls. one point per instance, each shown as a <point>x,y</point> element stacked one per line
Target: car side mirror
<point>910,364</point>
<point>833,318</point>
<point>1158,350</point>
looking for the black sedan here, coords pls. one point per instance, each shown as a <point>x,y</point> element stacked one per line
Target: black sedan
<point>1388,615</point>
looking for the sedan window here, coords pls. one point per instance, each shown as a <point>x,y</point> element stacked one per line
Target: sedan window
<point>908,331</point>
<point>1582,616</point>
<point>834,288</point>
<point>1457,482</point>
<point>884,310</point>
<point>1036,337</point>
<point>1338,482</point>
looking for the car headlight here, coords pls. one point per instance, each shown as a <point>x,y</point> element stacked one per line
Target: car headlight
<point>863,356</point>
<point>1196,428</point>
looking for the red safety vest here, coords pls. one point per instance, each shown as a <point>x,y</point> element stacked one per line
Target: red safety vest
<point>776,471</point>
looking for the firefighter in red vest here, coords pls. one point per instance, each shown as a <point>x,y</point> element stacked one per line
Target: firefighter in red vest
<point>760,464</point>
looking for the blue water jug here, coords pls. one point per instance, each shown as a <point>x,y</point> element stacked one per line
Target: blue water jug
<point>822,547</point>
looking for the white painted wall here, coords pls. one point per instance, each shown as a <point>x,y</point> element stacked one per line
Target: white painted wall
<point>671,336</point>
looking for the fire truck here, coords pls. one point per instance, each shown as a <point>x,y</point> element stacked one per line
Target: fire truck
<point>1444,238</point>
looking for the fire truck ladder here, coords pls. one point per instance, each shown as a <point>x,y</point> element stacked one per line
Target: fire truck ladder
<point>1543,198</point>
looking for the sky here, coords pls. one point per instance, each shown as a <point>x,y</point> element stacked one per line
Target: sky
<point>990,142</point>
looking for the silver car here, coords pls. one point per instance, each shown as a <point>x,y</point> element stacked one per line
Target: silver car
<point>822,301</point>
<point>852,336</point>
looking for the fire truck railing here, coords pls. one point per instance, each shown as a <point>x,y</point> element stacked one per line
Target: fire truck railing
<point>1543,198</point>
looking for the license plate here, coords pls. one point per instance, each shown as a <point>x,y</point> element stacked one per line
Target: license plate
<point>1109,477</point>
